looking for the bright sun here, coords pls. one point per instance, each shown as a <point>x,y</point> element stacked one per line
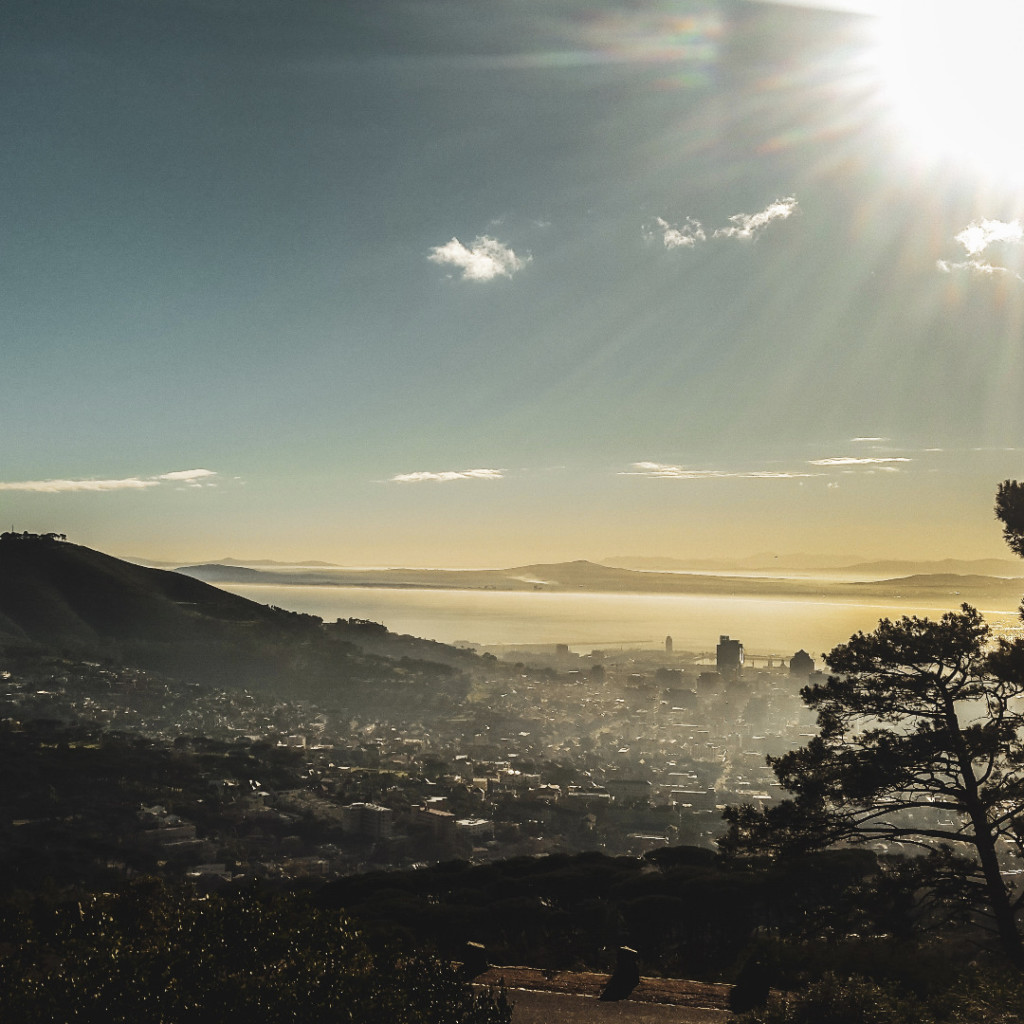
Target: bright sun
<point>952,71</point>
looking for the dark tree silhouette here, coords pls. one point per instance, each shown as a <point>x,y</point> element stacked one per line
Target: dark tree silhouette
<point>918,743</point>
<point>1010,512</point>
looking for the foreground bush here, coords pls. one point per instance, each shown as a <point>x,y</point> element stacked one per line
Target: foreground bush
<point>168,956</point>
<point>974,996</point>
<point>836,1000</point>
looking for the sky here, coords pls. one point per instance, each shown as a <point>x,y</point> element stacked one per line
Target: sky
<point>455,282</point>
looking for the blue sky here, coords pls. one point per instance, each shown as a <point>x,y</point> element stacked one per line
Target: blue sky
<point>445,282</point>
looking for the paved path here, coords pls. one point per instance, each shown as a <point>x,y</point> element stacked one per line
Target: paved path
<point>560,1008</point>
<point>572,998</point>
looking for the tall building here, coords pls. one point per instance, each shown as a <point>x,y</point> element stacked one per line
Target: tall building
<point>668,645</point>
<point>729,657</point>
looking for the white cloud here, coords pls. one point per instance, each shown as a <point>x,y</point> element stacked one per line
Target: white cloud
<point>850,461</point>
<point>980,234</point>
<point>867,440</point>
<point>187,474</point>
<point>662,471</point>
<point>673,237</point>
<point>448,475</point>
<point>976,238</point>
<point>750,225</point>
<point>191,477</point>
<point>485,259</point>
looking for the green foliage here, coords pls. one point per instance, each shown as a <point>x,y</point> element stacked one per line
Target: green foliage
<point>952,996</point>
<point>1010,512</point>
<point>157,954</point>
<point>685,911</point>
<point>838,1000</point>
<point>983,997</point>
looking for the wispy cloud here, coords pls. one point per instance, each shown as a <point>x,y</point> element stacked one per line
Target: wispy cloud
<point>741,225</point>
<point>483,260</point>
<point>868,440</point>
<point>672,237</point>
<point>663,471</point>
<point>750,225</point>
<point>978,236</point>
<point>447,476</point>
<point>975,267</point>
<point>189,477</point>
<point>853,461</point>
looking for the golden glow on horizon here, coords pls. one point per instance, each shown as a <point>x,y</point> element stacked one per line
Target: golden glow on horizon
<point>951,71</point>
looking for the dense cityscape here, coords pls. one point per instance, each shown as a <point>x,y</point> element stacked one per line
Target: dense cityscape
<point>551,751</point>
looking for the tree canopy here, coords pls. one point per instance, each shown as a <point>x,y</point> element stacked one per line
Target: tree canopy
<point>918,744</point>
<point>1010,512</point>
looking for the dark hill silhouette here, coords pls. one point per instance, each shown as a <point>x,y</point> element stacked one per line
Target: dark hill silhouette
<point>68,599</point>
<point>55,591</point>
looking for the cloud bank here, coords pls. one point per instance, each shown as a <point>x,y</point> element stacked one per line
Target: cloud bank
<point>447,476</point>
<point>485,259</point>
<point>189,477</point>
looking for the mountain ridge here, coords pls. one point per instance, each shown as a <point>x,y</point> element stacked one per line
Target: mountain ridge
<point>585,576</point>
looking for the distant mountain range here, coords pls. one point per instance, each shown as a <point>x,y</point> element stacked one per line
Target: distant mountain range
<point>767,562</point>
<point>66,599</point>
<point>948,587</point>
<point>849,565</point>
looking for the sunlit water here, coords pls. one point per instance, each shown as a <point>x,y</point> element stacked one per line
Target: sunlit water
<point>765,625</point>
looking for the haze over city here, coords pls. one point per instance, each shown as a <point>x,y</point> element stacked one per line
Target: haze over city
<point>456,284</point>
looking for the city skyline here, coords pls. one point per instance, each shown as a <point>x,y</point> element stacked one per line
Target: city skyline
<point>435,283</point>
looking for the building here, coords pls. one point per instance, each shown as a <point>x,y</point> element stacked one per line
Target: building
<point>729,657</point>
<point>367,820</point>
<point>477,829</point>
<point>801,664</point>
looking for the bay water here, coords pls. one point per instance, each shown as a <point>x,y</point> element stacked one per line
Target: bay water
<point>767,626</point>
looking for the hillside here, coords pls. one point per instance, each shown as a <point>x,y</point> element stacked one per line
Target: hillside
<point>65,598</point>
<point>54,591</point>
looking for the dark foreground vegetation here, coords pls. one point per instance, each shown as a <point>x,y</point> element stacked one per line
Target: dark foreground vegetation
<point>839,937</point>
<point>172,955</point>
